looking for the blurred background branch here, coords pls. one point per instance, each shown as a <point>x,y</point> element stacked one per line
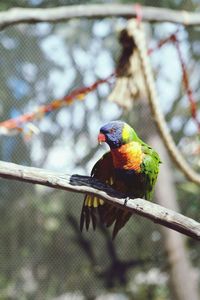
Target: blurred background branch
<point>154,103</point>
<point>63,13</point>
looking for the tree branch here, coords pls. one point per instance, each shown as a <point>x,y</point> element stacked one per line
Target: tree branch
<point>85,184</point>
<point>63,13</point>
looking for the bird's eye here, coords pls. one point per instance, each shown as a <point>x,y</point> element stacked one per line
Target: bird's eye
<point>112,130</point>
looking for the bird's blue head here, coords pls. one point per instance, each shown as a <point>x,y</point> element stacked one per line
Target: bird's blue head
<point>116,133</point>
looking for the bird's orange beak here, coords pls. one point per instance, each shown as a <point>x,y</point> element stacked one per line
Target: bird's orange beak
<point>101,138</point>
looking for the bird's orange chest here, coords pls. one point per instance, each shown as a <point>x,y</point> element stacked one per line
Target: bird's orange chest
<point>128,157</point>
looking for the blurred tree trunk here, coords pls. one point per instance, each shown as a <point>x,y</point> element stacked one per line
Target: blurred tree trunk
<point>182,275</point>
<point>183,282</point>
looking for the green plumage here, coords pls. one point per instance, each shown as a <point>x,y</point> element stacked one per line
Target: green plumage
<point>150,167</point>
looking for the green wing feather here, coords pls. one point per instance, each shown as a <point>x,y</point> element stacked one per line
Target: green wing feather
<point>150,168</point>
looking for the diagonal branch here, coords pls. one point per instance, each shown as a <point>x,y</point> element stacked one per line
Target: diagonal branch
<point>176,155</point>
<point>63,13</point>
<point>86,184</point>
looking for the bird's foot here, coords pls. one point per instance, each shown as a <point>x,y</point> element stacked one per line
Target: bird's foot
<point>126,201</point>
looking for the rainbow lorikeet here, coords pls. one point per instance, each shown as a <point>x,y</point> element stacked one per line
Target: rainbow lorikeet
<point>130,167</point>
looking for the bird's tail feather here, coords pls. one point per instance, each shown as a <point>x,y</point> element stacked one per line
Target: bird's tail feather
<point>121,219</point>
<point>95,209</point>
<point>90,211</point>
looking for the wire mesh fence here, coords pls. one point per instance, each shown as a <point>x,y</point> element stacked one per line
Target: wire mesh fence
<point>43,254</point>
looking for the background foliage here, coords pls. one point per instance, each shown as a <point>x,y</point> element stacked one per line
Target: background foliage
<point>42,253</point>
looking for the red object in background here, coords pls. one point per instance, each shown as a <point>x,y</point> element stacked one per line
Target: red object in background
<point>189,92</point>
<point>139,14</point>
<point>80,93</point>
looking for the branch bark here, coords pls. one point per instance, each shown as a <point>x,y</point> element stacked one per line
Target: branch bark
<point>85,184</point>
<point>59,14</point>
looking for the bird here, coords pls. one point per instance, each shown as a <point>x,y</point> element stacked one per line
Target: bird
<point>130,167</point>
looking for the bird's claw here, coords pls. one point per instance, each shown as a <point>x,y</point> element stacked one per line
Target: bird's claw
<point>126,201</point>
